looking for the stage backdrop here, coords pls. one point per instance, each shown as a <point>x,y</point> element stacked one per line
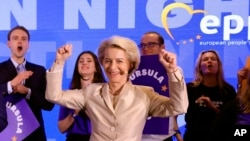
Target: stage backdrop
<point>188,26</point>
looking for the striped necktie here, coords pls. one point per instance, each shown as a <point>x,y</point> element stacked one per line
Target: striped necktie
<point>20,68</point>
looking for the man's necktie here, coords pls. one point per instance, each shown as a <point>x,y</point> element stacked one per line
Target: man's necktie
<point>20,68</point>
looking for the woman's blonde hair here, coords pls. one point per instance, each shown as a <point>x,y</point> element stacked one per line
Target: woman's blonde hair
<point>126,44</point>
<point>245,98</point>
<point>198,72</point>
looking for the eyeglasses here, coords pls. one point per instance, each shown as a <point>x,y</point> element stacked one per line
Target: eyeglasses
<point>148,45</point>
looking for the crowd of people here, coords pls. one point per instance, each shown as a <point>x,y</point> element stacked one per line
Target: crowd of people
<point>96,108</point>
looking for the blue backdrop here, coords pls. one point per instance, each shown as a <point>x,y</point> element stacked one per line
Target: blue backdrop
<point>188,26</point>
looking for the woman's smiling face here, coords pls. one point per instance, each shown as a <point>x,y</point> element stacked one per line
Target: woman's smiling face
<point>116,64</point>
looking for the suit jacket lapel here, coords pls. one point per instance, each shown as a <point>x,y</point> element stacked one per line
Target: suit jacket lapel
<point>106,97</point>
<point>125,97</point>
<point>11,69</point>
<point>27,67</point>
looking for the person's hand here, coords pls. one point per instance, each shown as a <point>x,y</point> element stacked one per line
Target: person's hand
<point>168,60</point>
<point>64,52</point>
<point>207,101</point>
<point>204,99</point>
<point>20,89</point>
<point>20,77</point>
<point>242,74</point>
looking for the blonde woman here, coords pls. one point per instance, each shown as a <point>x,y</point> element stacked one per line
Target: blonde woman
<point>207,94</point>
<point>118,109</point>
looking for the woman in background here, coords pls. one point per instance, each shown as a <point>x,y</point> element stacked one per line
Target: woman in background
<point>207,94</point>
<point>75,122</point>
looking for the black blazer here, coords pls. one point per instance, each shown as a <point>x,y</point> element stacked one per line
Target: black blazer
<point>37,84</point>
<point>3,115</point>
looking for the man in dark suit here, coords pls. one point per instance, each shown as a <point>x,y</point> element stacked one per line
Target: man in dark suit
<point>30,83</point>
<point>3,115</point>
